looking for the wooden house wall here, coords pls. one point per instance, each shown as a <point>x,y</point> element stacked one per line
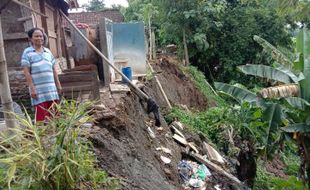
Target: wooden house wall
<point>16,21</point>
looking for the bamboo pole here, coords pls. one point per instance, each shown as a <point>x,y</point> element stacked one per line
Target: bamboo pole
<point>5,86</point>
<point>136,89</point>
<point>185,49</point>
<point>160,87</point>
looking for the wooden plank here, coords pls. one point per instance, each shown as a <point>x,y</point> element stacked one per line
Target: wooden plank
<point>44,19</point>
<point>22,19</point>
<point>52,34</point>
<point>76,77</point>
<point>77,88</point>
<point>213,154</point>
<point>14,36</point>
<point>77,83</point>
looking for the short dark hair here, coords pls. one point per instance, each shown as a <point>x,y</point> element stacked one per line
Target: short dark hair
<point>31,31</point>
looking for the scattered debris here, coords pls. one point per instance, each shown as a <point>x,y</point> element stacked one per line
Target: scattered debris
<point>86,125</point>
<point>213,154</point>
<point>119,88</point>
<point>99,107</point>
<point>165,150</point>
<point>175,130</point>
<point>178,125</point>
<point>193,174</point>
<point>165,159</point>
<point>217,168</point>
<point>180,139</point>
<point>192,146</point>
<point>217,187</point>
<point>151,133</point>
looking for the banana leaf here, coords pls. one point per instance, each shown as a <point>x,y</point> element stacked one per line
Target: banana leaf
<point>297,102</point>
<point>264,71</point>
<point>303,47</point>
<point>275,53</point>
<point>240,94</point>
<point>273,116</point>
<point>297,127</point>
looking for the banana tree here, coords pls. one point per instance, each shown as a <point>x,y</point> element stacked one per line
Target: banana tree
<point>293,86</point>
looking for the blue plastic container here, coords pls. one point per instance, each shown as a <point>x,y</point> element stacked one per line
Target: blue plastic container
<point>128,73</point>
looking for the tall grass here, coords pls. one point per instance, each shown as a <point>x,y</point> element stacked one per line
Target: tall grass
<point>203,85</point>
<point>56,156</point>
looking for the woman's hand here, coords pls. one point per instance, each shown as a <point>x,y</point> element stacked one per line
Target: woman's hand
<point>33,93</point>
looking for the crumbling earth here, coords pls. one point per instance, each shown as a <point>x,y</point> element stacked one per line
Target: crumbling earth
<point>124,146</point>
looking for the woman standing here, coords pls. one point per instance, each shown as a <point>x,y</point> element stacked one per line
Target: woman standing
<point>39,68</point>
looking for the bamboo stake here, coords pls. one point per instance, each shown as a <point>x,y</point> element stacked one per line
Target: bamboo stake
<point>160,87</point>
<point>185,49</point>
<point>5,86</point>
<point>215,167</point>
<point>31,9</point>
<point>136,89</point>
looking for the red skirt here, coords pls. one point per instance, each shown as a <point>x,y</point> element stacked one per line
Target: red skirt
<point>43,110</point>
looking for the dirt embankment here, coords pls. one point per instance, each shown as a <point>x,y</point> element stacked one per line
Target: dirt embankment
<point>122,142</point>
<point>179,89</point>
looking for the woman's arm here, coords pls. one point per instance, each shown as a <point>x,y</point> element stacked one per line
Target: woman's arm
<point>30,83</point>
<point>58,85</point>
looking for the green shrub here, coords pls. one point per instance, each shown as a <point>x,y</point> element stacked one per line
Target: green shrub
<point>56,156</point>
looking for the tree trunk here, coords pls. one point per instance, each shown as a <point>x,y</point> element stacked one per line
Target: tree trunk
<point>150,39</point>
<point>185,49</point>
<point>5,87</point>
<point>153,45</point>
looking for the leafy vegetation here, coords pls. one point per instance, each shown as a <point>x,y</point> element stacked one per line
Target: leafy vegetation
<point>54,156</point>
<point>95,5</point>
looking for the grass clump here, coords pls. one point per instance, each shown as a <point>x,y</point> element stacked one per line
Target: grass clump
<point>57,156</point>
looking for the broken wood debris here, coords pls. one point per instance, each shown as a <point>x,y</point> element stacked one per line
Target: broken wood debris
<point>165,150</point>
<point>178,125</point>
<point>180,139</point>
<point>193,147</point>
<point>175,130</point>
<point>213,154</point>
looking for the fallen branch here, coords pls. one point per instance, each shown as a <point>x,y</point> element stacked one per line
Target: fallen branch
<point>218,169</point>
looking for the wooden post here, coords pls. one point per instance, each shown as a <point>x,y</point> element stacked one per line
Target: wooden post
<point>160,87</point>
<point>5,86</point>
<point>185,49</point>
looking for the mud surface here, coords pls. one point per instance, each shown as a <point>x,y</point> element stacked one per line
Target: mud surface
<point>124,147</point>
<point>179,89</point>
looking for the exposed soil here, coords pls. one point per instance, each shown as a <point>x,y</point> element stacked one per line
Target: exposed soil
<point>124,147</point>
<point>276,167</point>
<point>179,89</point>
